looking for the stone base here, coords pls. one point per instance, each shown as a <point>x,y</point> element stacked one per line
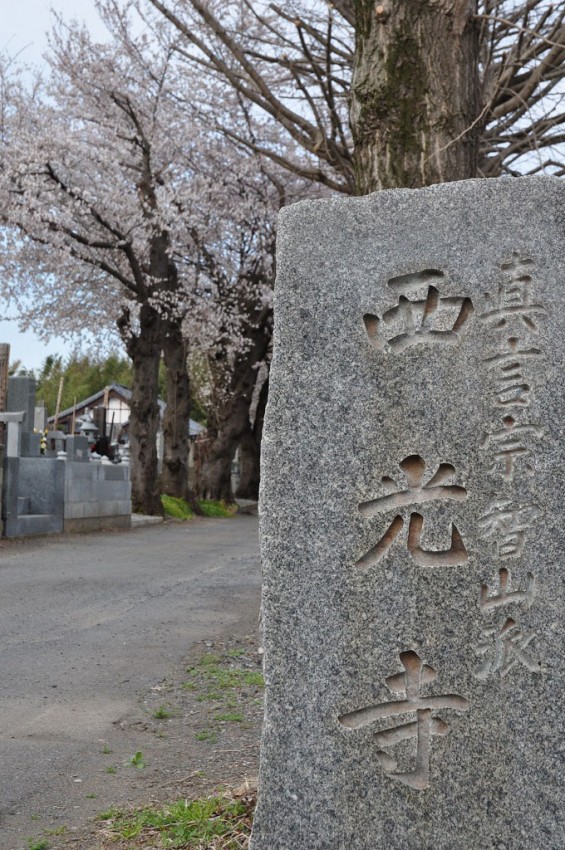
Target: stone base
<point>32,525</point>
<point>96,523</point>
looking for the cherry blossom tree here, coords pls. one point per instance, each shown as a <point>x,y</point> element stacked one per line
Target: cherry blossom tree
<point>96,192</point>
<point>235,343</point>
<point>128,213</point>
<point>234,334</point>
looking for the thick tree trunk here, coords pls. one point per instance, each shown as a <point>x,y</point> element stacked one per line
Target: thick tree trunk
<point>233,419</point>
<point>174,476</point>
<point>215,480</point>
<point>415,97</point>
<point>249,473</point>
<point>144,348</point>
<point>250,451</point>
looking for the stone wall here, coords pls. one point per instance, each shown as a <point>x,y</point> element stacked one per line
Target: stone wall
<point>97,495</point>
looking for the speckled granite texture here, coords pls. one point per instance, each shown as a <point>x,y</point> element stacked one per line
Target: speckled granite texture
<point>412,523</point>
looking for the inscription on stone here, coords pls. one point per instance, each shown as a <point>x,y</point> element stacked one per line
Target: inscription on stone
<point>421,729</point>
<point>415,321</point>
<point>412,519</point>
<point>440,486</point>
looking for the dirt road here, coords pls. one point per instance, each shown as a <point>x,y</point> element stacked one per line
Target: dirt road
<point>89,625</point>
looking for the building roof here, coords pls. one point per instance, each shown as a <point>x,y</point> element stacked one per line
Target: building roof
<point>195,428</point>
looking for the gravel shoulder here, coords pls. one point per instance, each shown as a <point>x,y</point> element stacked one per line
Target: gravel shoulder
<point>198,731</point>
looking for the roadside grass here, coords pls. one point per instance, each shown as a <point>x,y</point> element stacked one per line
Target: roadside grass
<point>180,509</point>
<point>222,709</point>
<point>162,713</point>
<point>219,677</point>
<point>206,735</point>
<point>224,686</point>
<point>211,823</point>
<point>216,509</point>
<point>227,684</point>
<point>137,760</point>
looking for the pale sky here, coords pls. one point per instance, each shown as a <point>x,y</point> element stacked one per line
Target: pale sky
<point>23,23</point>
<point>23,27</point>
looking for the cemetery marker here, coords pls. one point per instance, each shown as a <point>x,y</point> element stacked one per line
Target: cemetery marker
<point>413,474</point>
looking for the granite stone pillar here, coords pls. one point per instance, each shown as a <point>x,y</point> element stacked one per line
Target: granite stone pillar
<point>412,519</point>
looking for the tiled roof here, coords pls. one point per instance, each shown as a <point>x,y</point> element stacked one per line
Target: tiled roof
<point>194,427</point>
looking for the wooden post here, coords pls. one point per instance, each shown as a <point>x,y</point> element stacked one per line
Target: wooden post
<point>4,372</point>
<point>74,416</point>
<point>58,408</point>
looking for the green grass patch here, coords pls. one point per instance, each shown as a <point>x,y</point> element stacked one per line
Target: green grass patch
<point>59,830</point>
<point>226,682</point>
<point>230,717</point>
<point>110,814</point>
<point>187,824</point>
<point>42,844</point>
<point>216,509</point>
<point>180,509</point>
<point>221,678</point>
<point>137,760</point>
<point>176,507</point>
<point>162,713</point>
<point>206,735</point>
<point>210,695</point>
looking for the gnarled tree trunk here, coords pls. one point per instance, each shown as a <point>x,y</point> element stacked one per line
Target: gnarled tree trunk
<point>415,97</point>
<point>215,479</point>
<point>144,348</point>
<point>174,475</point>
<point>232,419</point>
<point>250,451</point>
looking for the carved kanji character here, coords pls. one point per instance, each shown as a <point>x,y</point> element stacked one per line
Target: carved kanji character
<point>512,298</point>
<point>440,486</point>
<point>513,387</point>
<point>506,525</point>
<point>429,319</point>
<point>425,725</point>
<point>503,595</point>
<point>505,648</point>
<point>511,446</point>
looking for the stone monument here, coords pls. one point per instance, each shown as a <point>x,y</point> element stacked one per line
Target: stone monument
<point>412,517</point>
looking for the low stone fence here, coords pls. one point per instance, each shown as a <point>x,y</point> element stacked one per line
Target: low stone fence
<point>65,489</point>
<point>45,495</point>
<point>97,494</point>
<point>33,495</point>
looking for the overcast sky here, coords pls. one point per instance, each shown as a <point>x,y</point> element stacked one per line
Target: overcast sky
<point>23,27</point>
<point>24,23</point>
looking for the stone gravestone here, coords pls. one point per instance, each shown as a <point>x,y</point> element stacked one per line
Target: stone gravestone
<point>21,396</point>
<point>413,475</point>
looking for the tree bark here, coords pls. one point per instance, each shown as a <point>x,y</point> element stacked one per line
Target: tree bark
<point>415,97</point>
<point>250,451</point>
<point>174,475</point>
<point>233,418</point>
<point>144,348</point>
<point>215,480</point>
